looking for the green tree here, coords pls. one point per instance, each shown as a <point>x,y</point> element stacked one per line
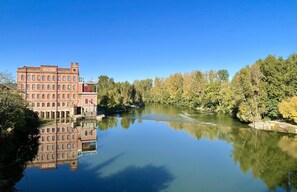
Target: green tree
<point>249,94</point>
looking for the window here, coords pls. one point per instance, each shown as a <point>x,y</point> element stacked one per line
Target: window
<point>54,87</point>
<point>86,101</point>
<point>73,96</point>
<point>48,78</point>
<point>33,86</point>
<point>48,96</point>
<point>42,87</point>
<point>43,104</point>
<point>63,96</point>
<point>33,77</point>
<point>48,87</point>
<point>68,96</point>
<point>74,87</point>
<point>53,96</point>
<point>68,87</point>
<point>33,96</point>
<point>43,96</point>
<point>63,104</point>
<point>54,78</point>
<point>22,77</point>
<point>58,104</point>
<point>22,86</point>
<point>74,78</point>
<point>69,78</point>
<point>58,96</point>
<point>38,96</point>
<point>28,87</point>
<point>28,77</point>
<point>48,130</point>
<point>64,78</point>
<point>38,77</point>
<point>33,104</point>
<point>59,78</point>
<point>43,78</point>
<point>48,104</point>
<point>59,87</point>
<point>63,87</point>
<point>38,87</point>
<point>38,104</point>
<point>53,104</point>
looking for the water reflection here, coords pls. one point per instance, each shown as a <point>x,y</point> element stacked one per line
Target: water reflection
<point>270,156</point>
<point>63,143</point>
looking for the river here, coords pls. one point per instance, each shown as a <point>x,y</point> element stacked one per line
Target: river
<point>161,148</point>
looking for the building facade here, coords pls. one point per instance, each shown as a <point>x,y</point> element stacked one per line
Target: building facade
<point>55,92</point>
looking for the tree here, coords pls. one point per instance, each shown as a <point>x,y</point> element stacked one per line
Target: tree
<point>288,108</point>
<point>249,94</point>
<point>174,87</point>
<point>7,80</point>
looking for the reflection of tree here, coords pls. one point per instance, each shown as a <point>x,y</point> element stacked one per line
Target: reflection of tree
<point>200,130</point>
<point>16,149</point>
<point>269,155</point>
<point>106,123</point>
<point>126,121</point>
<point>259,152</point>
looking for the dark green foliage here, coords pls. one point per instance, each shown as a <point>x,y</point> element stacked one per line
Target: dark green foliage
<point>280,80</point>
<point>120,96</point>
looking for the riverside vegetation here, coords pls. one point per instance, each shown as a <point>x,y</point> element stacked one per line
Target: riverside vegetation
<point>265,90</point>
<point>18,134</point>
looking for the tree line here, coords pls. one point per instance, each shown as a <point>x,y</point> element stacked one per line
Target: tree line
<point>256,92</point>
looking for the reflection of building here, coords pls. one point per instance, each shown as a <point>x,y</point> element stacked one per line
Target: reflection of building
<point>52,91</point>
<point>63,143</point>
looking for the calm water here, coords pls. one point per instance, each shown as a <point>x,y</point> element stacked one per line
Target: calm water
<point>162,148</point>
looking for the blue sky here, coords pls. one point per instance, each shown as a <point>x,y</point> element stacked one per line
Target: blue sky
<point>137,39</point>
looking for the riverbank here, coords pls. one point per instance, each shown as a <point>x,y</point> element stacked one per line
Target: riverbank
<point>275,126</point>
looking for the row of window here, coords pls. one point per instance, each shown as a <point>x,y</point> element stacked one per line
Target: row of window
<point>46,87</point>
<point>50,96</point>
<point>48,130</point>
<point>52,138</point>
<point>48,78</point>
<point>59,156</point>
<point>63,104</point>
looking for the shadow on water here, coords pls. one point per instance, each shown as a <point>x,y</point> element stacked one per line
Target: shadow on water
<point>149,178</point>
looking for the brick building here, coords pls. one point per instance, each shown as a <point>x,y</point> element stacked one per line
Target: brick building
<point>55,92</point>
